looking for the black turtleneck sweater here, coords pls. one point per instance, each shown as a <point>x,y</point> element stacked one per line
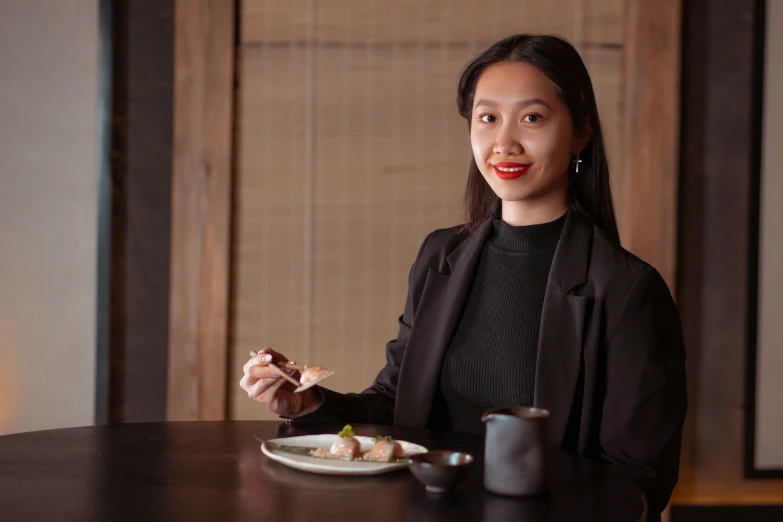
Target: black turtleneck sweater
<point>491,361</point>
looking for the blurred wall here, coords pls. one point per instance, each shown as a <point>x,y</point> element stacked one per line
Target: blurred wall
<point>48,205</point>
<point>769,368</point>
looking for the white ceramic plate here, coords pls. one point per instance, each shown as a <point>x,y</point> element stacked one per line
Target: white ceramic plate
<point>294,452</point>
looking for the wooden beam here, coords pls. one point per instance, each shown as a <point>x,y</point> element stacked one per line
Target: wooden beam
<point>201,209</point>
<point>647,195</point>
<point>132,364</point>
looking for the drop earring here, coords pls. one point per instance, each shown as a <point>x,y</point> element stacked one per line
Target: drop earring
<point>577,161</point>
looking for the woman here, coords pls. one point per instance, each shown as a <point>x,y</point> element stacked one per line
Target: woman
<point>532,301</point>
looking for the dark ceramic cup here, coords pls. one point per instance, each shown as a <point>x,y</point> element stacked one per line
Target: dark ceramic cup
<point>515,451</point>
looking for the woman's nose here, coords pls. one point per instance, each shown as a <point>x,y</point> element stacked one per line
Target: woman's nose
<point>507,142</point>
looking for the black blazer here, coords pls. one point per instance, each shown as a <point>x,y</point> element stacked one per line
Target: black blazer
<point>611,360</point>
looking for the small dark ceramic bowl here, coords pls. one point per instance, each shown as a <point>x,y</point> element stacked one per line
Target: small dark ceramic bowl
<point>440,470</point>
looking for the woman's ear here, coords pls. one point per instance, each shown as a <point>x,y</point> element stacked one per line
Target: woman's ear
<point>583,138</point>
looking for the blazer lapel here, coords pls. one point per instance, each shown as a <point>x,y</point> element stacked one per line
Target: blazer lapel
<point>562,323</point>
<point>441,304</point>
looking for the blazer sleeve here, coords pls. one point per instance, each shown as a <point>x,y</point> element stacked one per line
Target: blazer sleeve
<point>646,398</point>
<point>375,405</point>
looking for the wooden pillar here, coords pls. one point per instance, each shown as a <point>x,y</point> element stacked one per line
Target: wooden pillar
<point>135,226</point>
<point>201,209</point>
<point>647,199</point>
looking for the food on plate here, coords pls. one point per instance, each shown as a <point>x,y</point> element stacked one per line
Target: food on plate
<point>346,447</point>
<point>385,450</point>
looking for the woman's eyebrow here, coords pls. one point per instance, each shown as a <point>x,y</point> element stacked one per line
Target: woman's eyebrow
<point>520,104</point>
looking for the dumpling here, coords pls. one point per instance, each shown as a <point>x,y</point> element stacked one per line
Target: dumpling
<point>346,447</point>
<point>385,450</point>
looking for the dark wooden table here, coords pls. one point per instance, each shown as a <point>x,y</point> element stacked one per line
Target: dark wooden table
<point>195,471</point>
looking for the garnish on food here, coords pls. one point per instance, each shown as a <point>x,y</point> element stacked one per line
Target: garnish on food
<point>347,431</point>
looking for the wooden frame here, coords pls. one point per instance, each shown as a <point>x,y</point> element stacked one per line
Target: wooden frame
<point>754,267</point>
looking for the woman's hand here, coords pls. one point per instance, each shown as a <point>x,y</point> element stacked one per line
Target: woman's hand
<point>267,387</point>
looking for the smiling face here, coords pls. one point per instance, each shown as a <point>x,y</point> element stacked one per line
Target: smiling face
<point>523,141</point>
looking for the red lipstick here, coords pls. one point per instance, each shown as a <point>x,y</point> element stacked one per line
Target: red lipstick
<point>508,170</point>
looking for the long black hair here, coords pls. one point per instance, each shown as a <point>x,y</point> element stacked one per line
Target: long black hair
<point>589,193</point>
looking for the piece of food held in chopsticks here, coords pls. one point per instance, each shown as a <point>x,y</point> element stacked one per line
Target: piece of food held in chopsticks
<point>309,375</point>
<point>312,375</point>
<point>385,450</point>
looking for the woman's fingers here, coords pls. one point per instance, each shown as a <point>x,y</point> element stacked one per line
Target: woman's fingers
<point>264,357</point>
<point>254,374</point>
<point>247,382</point>
<point>266,385</point>
<point>259,379</point>
<point>261,372</point>
<point>265,389</point>
<point>255,386</point>
<point>276,356</point>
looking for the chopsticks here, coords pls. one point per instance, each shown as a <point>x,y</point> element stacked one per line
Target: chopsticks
<point>283,374</point>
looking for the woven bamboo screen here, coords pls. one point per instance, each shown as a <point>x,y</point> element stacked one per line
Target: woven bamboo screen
<point>350,150</point>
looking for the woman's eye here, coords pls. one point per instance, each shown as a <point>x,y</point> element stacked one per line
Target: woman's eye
<point>487,118</point>
<point>532,118</point>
